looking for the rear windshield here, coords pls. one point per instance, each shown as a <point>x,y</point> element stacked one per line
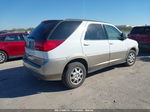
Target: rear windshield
<point>41,32</point>
<point>64,30</point>
<point>141,30</point>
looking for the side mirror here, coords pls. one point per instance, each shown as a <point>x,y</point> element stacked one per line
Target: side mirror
<point>123,36</point>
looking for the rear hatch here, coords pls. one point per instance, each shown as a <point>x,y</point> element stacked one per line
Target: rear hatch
<point>47,36</point>
<point>39,35</point>
<point>140,34</point>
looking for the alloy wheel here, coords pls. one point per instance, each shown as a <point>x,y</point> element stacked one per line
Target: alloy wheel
<point>76,76</point>
<point>131,58</point>
<point>2,57</point>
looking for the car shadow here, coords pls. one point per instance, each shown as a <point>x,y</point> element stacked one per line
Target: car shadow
<point>144,55</point>
<point>106,69</point>
<point>14,59</point>
<point>17,82</point>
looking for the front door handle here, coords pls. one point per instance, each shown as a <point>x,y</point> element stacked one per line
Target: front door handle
<point>110,43</point>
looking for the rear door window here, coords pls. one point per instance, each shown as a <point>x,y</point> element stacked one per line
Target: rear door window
<point>64,30</point>
<point>41,32</point>
<point>15,37</point>
<point>95,32</point>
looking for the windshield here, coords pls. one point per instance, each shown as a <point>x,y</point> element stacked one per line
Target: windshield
<point>41,32</point>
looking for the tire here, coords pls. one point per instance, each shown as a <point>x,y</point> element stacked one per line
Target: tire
<point>3,57</point>
<point>74,75</point>
<point>131,58</point>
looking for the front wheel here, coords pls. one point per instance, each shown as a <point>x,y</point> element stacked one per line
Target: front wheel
<point>74,75</point>
<point>3,57</point>
<point>131,58</point>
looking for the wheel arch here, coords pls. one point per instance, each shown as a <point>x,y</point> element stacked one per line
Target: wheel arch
<point>81,60</point>
<point>5,52</point>
<point>133,48</point>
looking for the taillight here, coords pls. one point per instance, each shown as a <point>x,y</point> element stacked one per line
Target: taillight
<point>47,45</point>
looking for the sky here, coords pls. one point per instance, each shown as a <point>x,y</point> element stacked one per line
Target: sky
<point>29,13</point>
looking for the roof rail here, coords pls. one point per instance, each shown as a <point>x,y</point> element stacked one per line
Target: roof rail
<point>84,20</point>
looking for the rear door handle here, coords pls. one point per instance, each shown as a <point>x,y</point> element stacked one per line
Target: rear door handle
<point>86,44</point>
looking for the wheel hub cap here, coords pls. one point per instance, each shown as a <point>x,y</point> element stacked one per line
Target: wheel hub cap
<point>131,58</point>
<point>76,76</point>
<point>2,57</point>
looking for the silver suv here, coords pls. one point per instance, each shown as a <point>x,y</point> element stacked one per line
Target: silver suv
<point>67,50</point>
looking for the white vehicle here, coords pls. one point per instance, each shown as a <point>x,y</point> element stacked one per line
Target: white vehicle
<point>67,50</point>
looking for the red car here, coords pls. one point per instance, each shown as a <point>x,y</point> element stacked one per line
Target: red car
<point>142,35</point>
<point>12,45</point>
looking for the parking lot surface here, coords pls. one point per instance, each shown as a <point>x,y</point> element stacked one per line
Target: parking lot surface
<point>114,87</point>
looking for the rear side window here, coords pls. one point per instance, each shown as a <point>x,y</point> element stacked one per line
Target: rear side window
<point>13,38</point>
<point>41,32</point>
<point>95,32</point>
<point>64,30</point>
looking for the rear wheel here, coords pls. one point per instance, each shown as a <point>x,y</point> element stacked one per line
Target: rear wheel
<point>3,57</point>
<point>131,58</point>
<point>74,75</point>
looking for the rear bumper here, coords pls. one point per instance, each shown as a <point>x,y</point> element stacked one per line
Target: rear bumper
<point>50,70</point>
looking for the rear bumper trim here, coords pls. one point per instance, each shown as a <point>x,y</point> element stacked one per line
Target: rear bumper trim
<point>51,70</point>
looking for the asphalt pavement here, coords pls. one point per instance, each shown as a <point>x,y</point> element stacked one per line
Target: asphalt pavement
<point>116,87</point>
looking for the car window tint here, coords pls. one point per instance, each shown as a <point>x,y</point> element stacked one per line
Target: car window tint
<point>21,38</point>
<point>42,31</point>
<point>147,30</point>
<point>138,30</point>
<point>2,38</point>
<point>25,36</point>
<point>95,32</point>
<point>13,38</point>
<point>64,30</point>
<point>112,32</point>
